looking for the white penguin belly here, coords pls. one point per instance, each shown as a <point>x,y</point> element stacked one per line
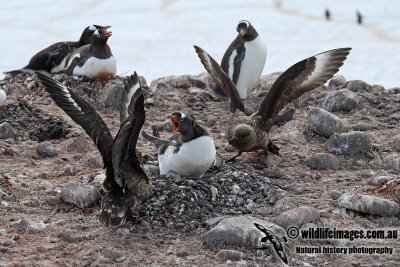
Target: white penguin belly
<point>97,68</point>
<point>194,158</point>
<point>59,67</point>
<point>2,97</point>
<point>252,66</point>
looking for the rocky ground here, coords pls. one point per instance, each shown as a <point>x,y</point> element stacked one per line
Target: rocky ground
<point>338,167</point>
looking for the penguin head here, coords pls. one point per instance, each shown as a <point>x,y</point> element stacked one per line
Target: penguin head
<point>246,30</point>
<point>184,125</point>
<point>100,36</point>
<point>88,32</point>
<point>243,135</point>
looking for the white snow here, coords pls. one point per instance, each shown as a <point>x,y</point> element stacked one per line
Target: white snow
<point>156,37</point>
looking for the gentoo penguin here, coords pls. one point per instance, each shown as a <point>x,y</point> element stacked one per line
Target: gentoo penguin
<point>191,154</point>
<point>51,59</point>
<point>127,186</point>
<point>94,60</point>
<point>249,133</point>
<point>2,97</point>
<point>244,59</point>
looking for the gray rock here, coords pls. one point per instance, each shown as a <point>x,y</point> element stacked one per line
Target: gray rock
<point>335,194</point>
<point>2,194</point>
<point>369,204</point>
<point>213,221</point>
<point>378,180</point>
<point>349,143</point>
<point>96,162</point>
<point>337,80</point>
<point>123,231</point>
<point>78,144</point>
<point>392,162</point>
<point>71,236</point>
<point>46,149</point>
<point>396,142</point>
<point>325,123</point>
<point>358,86</point>
<point>6,131</point>
<point>81,195</point>
<point>284,204</point>
<point>285,115</point>
<point>271,161</point>
<point>323,161</point>
<point>233,255</point>
<point>297,217</point>
<point>362,126</point>
<point>32,226</point>
<point>240,232</point>
<point>341,100</point>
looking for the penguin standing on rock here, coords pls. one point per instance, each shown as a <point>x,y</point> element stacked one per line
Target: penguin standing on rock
<point>250,133</point>
<point>52,58</point>
<point>127,186</point>
<point>94,60</point>
<point>244,59</point>
<point>191,153</point>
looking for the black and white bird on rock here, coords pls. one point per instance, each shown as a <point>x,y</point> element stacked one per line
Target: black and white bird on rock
<point>249,133</point>
<point>244,59</point>
<point>127,186</point>
<point>52,58</point>
<point>190,152</point>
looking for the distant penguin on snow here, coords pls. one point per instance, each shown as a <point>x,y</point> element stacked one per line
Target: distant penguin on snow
<point>94,60</point>
<point>244,59</point>
<point>52,58</point>
<point>192,152</point>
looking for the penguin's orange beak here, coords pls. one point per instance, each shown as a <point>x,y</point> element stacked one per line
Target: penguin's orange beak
<point>176,123</point>
<point>108,34</point>
<point>242,32</point>
<point>106,27</point>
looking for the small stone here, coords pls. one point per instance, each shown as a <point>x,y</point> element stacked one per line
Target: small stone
<point>213,221</point>
<point>297,217</point>
<point>271,161</point>
<point>230,254</point>
<point>115,256</point>
<point>335,194</point>
<point>46,149</point>
<point>323,161</point>
<point>285,115</point>
<point>337,80</point>
<point>7,131</point>
<point>2,194</point>
<point>123,231</point>
<point>362,126</point>
<point>69,170</point>
<point>182,253</point>
<point>392,162</point>
<point>78,144</point>
<point>396,142</point>
<point>96,162</point>
<point>358,86</point>
<point>81,195</point>
<point>240,232</point>
<point>284,204</point>
<point>341,100</point>
<point>236,189</point>
<point>378,180</point>
<point>349,143</point>
<point>325,123</point>
<point>71,236</point>
<point>53,201</point>
<point>369,204</point>
<point>32,226</point>
<point>229,148</point>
